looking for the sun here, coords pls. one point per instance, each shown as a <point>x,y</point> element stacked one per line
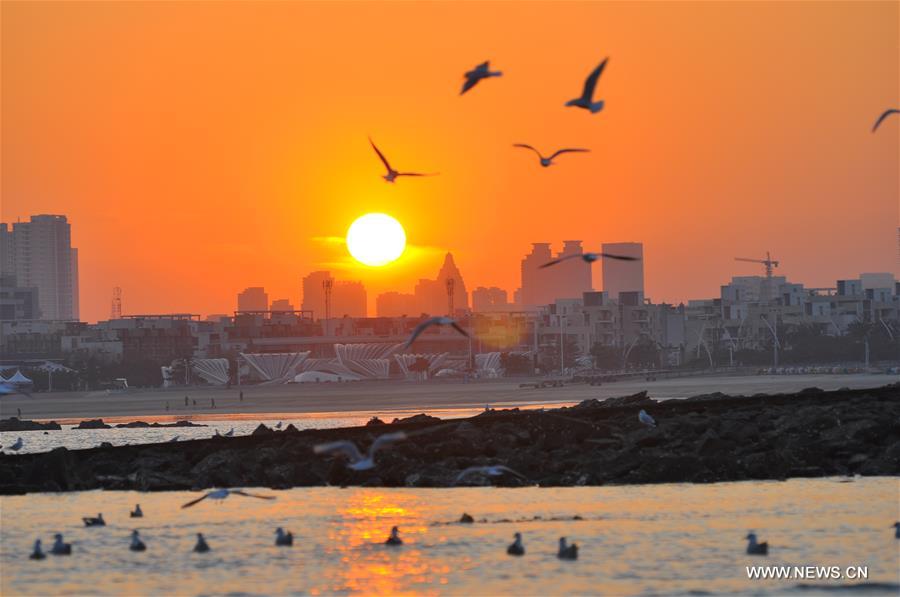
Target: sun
<point>376,239</point>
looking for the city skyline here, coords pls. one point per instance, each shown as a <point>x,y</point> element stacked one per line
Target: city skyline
<point>702,155</point>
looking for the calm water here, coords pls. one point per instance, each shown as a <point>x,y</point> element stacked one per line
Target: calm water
<point>660,539</point>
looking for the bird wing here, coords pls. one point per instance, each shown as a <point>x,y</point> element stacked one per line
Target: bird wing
<point>570,150</point>
<point>883,116</point>
<point>484,66</point>
<point>555,261</point>
<point>619,257</point>
<point>468,471</point>
<point>506,469</point>
<point>384,440</point>
<point>459,329</point>
<point>419,329</point>
<point>349,449</point>
<point>192,502</point>
<point>526,146</point>
<point>380,155</point>
<point>471,81</point>
<point>591,82</point>
<point>417,174</point>
<point>253,495</point>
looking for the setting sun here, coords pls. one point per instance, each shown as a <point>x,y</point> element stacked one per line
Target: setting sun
<point>376,239</point>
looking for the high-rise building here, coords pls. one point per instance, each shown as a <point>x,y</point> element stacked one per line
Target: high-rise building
<point>40,255</point>
<point>253,299</point>
<point>281,305</point>
<point>489,299</point>
<point>435,296</point>
<point>347,297</point>
<point>396,304</point>
<point>16,302</point>
<point>623,276</point>
<point>568,279</point>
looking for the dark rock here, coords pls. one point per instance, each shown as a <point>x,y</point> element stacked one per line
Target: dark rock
<point>374,421</point>
<point>16,424</point>
<point>93,424</point>
<point>133,425</point>
<point>466,518</point>
<point>262,430</point>
<point>420,418</point>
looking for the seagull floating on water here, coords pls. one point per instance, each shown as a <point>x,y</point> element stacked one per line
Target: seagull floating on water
<point>754,548</point>
<point>136,543</point>
<point>646,419</point>
<point>391,173</point>
<point>175,439</point>
<point>358,462</point>
<point>466,518</point>
<point>59,548</point>
<point>221,494</point>
<point>282,538</point>
<point>230,433</point>
<point>567,552</point>
<point>547,161</point>
<point>495,470</point>
<point>897,530</point>
<point>394,539</point>
<point>586,100</point>
<point>278,425</point>
<point>516,548</point>
<point>482,71</point>
<point>38,553</point>
<point>202,546</point>
<point>884,115</point>
<point>17,445</point>
<point>590,258</point>
<point>137,513</point>
<point>434,321</point>
<point>94,522</point>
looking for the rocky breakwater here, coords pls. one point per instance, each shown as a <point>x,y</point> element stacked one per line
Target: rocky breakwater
<point>702,439</point>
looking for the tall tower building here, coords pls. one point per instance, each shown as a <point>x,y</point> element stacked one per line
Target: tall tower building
<point>348,297</point>
<point>253,299</point>
<point>623,276</point>
<point>39,254</point>
<point>434,296</point>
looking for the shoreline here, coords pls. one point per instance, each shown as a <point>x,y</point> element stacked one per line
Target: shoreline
<point>707,438</point>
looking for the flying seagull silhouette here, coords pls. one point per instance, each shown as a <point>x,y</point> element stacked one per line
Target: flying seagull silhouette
<point>358,462</point>
<point>587,94</point>
<point>430,322</point>
<point>546,161</point>
<point>221,494</point>
<point>883,116</point>
<point>482,71</point>
<point>591,258</point>
<point>391,173</point>
<point>496,470</point>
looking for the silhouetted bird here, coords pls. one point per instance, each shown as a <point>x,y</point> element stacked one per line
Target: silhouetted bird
<point>284,539</point>
<point>221,494</point>
<point>59,548</point>
<point>587,94</point>
<point>897,530</point>
<point>567,552</point>
<point>17,445</point>
<point>495,470</point>
<point>394,539</point>
<point>391,173</point>
<point>202,546</point>
<point>430,322</point>
<point>137,512</point>
<point>884,115</point>
<point>136,543</point>
<point>482,71</point>
<point>358,462</point>
<point>229,433</point>
<point>94,522</point>
<point>38,553</point>
<point>516,548</point>
<point>646,419</point>
<point>591,258</point>
<point>754,548</point>
<point>466,518</point>
<point>546,161</point>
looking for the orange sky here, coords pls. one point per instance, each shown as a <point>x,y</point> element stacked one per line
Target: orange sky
<point>202,147</point>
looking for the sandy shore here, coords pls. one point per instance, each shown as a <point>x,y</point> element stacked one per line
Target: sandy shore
<point>394,395</point>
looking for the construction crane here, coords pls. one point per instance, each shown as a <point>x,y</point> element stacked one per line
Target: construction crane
<point>769,263</point>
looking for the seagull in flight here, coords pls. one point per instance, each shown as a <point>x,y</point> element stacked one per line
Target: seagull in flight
<point>591,258</point>
<point>646,419</point>
<point>482,71</point>
<point>221,494</point>
<point>391,173</point>
<point>586,100</point>
<point>883,116</point>
<point>496,470</point>
<point>434,321</point>
<point>547,161</point>
<point>358,462</point>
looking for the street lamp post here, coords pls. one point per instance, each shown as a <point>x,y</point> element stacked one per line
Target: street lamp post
<point>562,342</point>
<point>775,336</point>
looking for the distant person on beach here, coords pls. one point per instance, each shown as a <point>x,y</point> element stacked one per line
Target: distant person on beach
<point>241,396</point>
<point>167,406</point>
<point>185,400</point>
<point>19,410</point>
<point>212,402</point>
<point>195,402</point>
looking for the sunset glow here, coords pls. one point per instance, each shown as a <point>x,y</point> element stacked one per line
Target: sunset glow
<point>376,239</point>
